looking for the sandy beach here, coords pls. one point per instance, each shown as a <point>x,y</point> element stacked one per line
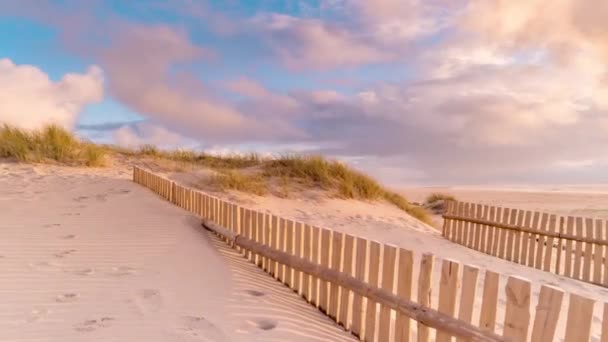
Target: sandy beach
<point>87,255</point>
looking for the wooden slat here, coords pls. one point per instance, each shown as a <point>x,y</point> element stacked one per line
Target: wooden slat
<point>405,271</point>
<point>578,251</point>
<point>335,260</point>
<point>511,236</point>
<point>548,258</point>
<point>288,248</point>
<point>265,228</point>
<point>462,226</point>
<point>274,235</point>
<point>358,308</point>
<point>467,233</point>
<point>534,239</point>
<point>307,253</point>
<point>448,290</point>
<point>373,280</point>
<point>580,314</point>
<point>605,324</point>
<point>487,317</point>
<point>425,278</point>
<point>445,230</point>
<point>540,244</point>
<point>467,296</point>
<point>492,232</point>
<point>519,236</point>
<point>485,230</point>
<point>568,259</point>
<point>502,243</point>
<point>345,313</point>
<point>282,247</point>
<point>598,253</point>
<point>517,313</point>
<point>560,246</point>
<point>388,275</point>
<point>316,257</point>
<point>323,289</point>
<point>526,238</point>
<point>478,228</point>
<point>547,314</point>
<point>459,224</point>
<point>497,232</point>
<point>246,229</point>
<point>587,256</point>
<point>298,236</point>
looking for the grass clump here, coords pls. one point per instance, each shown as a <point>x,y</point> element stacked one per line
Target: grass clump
<point>438,196</point>
<point>402,203</point>
<point>51,143</point>
<point>437,202</point>
<point>235,180</point>
<point>316,170</point>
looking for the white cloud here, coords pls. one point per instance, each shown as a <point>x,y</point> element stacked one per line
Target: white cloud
<point>30,100</point>
<point>146,133</point>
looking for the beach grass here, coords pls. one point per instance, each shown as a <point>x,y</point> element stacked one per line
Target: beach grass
<point>49,144</point>
<point>247,173</point>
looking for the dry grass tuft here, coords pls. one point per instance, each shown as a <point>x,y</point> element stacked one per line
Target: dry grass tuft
<point>437,202</point>
<point>235,180</point>
<point>437,196</point>
<point>52,143</point>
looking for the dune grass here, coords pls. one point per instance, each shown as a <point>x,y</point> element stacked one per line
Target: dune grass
<point>437,196</point>
<point>234,180</point>
<point>54,143</point>
<point>49,144</point>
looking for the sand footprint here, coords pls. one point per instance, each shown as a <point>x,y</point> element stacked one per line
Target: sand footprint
<point>66,297</point>
<point>93,324</point>
<point>149,300</point>
<point>67,237</point>
<point>37,314</point>
<point>120,271</point>
<point>64,253</point>
<point>82,271</point>
<point>200,328</point>
<point>255,293</point>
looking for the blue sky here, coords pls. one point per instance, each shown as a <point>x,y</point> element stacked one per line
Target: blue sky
<point>445,91</point>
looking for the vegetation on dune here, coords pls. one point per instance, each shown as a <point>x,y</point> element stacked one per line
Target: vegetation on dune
<point>437,196</point>
<point>52,143</point>
<point>436,202</point>
<point>234,180</point>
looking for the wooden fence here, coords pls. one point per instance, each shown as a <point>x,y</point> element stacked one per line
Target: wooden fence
<point>574,247</point>
<point>393,269</point>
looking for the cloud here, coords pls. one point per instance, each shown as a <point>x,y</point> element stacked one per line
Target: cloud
<point>312,43</point>
<point>141,133</point>
<point>30,99</point>
<point>494,90</point>
<point>139,66</point>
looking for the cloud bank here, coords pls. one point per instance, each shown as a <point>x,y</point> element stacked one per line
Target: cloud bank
<point>490,91</point>
<point>30,100</point>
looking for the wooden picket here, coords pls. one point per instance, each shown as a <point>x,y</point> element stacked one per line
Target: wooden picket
<point>520,236</point>
<point>575,247</point>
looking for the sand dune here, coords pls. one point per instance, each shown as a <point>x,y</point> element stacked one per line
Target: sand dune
<point>87,255</point>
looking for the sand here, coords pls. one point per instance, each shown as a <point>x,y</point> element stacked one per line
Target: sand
<point>384,223</point>
<point>87,255</point>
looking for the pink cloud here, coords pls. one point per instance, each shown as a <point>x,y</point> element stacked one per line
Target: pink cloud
<point>30,99</point>
<point>312,43</point>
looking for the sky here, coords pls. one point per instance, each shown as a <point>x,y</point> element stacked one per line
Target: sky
<point>433,92</point>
